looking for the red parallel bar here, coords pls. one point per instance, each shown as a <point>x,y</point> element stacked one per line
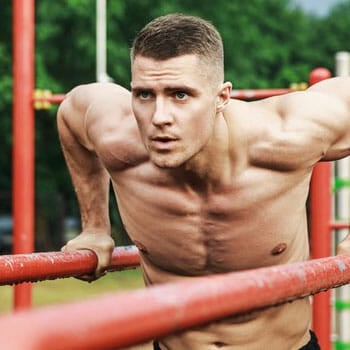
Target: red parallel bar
<point>42,266</point>
<point>23,137</point>
<point>258,93</point>
<point>339,225</point>
<point>168,308</point>
<point>320,215</point>
<point>56,98</point>
<point>239,94</point>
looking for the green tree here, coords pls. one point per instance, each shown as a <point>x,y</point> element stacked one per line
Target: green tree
<point>267,44</point>
<point>331,35</point>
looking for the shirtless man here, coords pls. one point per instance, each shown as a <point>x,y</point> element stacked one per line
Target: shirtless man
<point>205,184</point>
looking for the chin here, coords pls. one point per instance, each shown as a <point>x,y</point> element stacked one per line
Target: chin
<point>166,163</point>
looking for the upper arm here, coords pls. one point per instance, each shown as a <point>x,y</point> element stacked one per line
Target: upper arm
<point>97,119</point>
<point>77,149</point>
<point>319,120</point>
<point>299,129</point>
<point>86,104</point>
<point>333,96</point>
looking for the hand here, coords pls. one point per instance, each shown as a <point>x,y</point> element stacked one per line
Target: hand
<point>101,244</point>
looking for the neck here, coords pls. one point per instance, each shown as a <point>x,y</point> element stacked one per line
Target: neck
<point>211,167</point>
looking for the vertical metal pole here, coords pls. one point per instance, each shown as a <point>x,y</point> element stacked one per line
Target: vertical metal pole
<point>320,215</point>
<point>101,42</point>
<point>23,138</point>
<point>342,196</point>
<point>320,198</point>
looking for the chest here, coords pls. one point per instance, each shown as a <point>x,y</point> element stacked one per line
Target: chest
<point>255,200</point>
<point>236,227</point>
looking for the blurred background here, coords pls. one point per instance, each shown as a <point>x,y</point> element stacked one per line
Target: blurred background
<point>268,43</point>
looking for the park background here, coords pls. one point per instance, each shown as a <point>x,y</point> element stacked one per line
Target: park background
<point>268,43</point>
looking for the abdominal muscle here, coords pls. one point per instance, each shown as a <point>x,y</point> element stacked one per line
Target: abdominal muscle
<point>279,327</point>
<point>175,250</point>
<point>181,235</point>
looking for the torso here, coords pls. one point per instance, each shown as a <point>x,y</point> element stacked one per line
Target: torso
<point>256,219</point>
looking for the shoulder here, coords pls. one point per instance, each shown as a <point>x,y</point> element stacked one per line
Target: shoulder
<point>318,117</point>
<point>101,96</point>
<point>94,106</point>
<point>295,130</point>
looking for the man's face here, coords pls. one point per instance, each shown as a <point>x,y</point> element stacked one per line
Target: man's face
<point>174,102</point>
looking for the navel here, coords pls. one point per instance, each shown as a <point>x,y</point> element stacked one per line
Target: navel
<point>279,249</point>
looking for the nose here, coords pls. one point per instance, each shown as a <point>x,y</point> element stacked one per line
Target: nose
<point>161,115</point>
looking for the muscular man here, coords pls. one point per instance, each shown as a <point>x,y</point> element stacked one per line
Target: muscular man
<point>205,184</point>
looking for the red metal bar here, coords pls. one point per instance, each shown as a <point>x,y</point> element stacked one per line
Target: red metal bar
<point>23,137</point>
<point>56,98</point>
<point>51,98</point>
<point>256,94</point>
<point>42,266</point>
<point>318,74</point>
<point>339,225</point>
<point>239,94</point>
<point>138,316</point>
<point>320,203</point>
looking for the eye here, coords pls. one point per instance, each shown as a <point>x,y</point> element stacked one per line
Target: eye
<point>181,95</point>
<point>144,95</point>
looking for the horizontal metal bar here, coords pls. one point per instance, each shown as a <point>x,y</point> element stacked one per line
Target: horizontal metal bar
<point>339,345</point>
<point>113,321</point>
<point>342,304</point>
<point>337,225</point>
<point>255,94</point>
<point>238,94</point>
<point>35,267</point>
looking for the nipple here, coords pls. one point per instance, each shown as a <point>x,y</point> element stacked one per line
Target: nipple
<point>219,344</point>
<point>280,248</point>
<point>140,247</point>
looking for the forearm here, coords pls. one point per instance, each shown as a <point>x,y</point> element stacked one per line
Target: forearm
<point>89,177</point>
<point>92,192</point>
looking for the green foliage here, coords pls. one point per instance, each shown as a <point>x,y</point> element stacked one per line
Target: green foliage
<point>70,289</point>
<point>267,44</point>
<point>331,34</point>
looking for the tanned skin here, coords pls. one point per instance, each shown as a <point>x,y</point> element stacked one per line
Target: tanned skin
<point>205,184</point>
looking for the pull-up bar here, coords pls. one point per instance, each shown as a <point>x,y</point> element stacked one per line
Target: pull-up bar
<point>43,99</point>
<point>165,309</point>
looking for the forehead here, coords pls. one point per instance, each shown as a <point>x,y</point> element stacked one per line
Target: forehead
<point>185,69</point>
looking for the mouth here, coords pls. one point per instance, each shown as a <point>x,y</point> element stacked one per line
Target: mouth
<point>163,142</point>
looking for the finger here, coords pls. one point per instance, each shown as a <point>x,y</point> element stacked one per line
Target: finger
<point>103,261</point>
<point>90,277</point>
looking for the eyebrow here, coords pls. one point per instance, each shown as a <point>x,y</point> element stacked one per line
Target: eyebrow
<point>185,88</point>
<point>169,89</point>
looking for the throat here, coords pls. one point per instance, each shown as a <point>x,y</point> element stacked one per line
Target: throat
<point>207,181</point>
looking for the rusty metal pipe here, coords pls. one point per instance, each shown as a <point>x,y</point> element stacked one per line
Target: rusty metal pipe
<point>129,318</point>
<point>35,267</point>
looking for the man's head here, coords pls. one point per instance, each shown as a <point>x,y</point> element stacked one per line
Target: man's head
<point>176,35</point>
<point>177,87</point>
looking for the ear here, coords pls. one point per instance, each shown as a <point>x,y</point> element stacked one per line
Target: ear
<point>224,96</point>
